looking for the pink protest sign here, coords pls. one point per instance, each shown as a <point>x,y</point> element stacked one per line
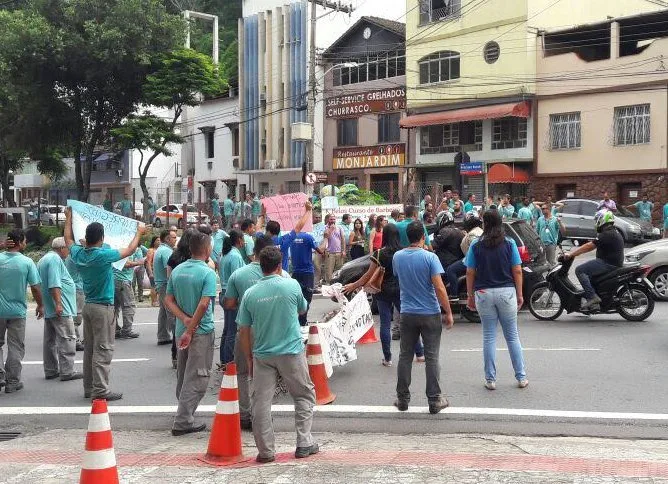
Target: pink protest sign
<point>287,210</point>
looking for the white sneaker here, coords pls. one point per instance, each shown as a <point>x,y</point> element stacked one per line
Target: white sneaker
<point>490,385</point>
<point>523,383</point>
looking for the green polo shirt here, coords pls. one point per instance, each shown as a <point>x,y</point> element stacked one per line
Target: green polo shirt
<point>403,234</point>
<point>74,273</point>
<point>95,268</point>
<point>21,272</point>
<point>228,207</point>
<point>271,308</point>
<point>217,239</point>
<point>215,207</point>
<point>249,247</point>
<point>54,274</point>
<point>160,265</point>
<point>243,279</point>
<point>189,283</point>
<point>126,208</point>
<point>127,273</point>
<point>229,263</point>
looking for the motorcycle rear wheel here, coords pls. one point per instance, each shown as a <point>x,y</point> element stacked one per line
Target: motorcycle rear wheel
<point>635,303</point>
<point>545,304</point>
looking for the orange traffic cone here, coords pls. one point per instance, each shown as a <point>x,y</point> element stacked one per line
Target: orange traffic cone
<point>316,368</point>
<point>99,462</point>
<point>225,440</point>
<point>368,337</point>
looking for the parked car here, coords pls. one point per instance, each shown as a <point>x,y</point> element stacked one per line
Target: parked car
<point>655,255</point>
<point>47,214</point>
<point>176,216</point>
<point>577,216</point>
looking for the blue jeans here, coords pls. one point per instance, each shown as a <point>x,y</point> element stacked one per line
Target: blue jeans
<point>305,281</point>
<point>386,311</point>
<point>454,272</point>
<point>589,269</point>
<point>499,305</point>
<point>228,336</point>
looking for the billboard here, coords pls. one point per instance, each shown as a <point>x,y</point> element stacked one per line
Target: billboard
<point>379,156</point>
<point>354,105</point>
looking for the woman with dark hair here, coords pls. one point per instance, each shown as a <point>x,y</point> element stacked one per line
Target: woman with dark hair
<point>231,260</point>
<point>388,297</point>
<point>376,235</point>
<point>494,284</point>
<point>356,240</point>
<point>153,246</point>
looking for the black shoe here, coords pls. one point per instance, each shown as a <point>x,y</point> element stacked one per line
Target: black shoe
<point>129,334</point>
<point>303,452</point>
<point>118,335</point>
<point>165,342</point>
<point>75,375</point>
<point>246,424</point>
<point>438,405</point>
<point>191,430</point>
<point>109,397</point>
<point>396,334</point>
<point>51,377</point>
<point>80,346</point>
<point>265,460</point>
<point>401,405</point>
<point>14,387</point>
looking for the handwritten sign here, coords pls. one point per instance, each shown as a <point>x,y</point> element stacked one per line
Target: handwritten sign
<point>287,210</point>
<point>358,318</point>
<point>118,230</point>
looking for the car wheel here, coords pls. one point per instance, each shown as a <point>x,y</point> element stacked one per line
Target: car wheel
<point>157,223</point>
<point>660,280</point>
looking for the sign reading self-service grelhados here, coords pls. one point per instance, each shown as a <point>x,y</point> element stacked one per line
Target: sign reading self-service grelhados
<point>353,105</point>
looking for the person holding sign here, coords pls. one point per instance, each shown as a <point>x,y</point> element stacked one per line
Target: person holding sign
<point>273,230</point>
<point>94,263</point>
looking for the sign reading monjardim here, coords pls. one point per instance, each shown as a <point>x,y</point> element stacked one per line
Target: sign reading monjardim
<point>380,156</point>
<point>382,101</point>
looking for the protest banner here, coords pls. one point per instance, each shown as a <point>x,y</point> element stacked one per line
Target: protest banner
<point>329,203</point>
<point>357,316</point>
<point>287,210</point>
<point>363,211</point>
<point>118,230</point>
<point>336,348</point>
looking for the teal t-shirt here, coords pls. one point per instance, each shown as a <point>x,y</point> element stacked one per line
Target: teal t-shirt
<point>160,265</point>
<point>403,235</point>
<point>21,272</point>
<point>54,273</point>
<point>228,207</point>
<point>468,206</point>
<point>95,268</point>
<point>644,210</point>
<point>526,214</point>
<point>548,230</point>
<point>507,211</point>
<point>272,308</point>
<point>257,207</point>
<point>536,212</point>
<point>74,273</point>
<point>215,207</point>
<point>217,239</point>
<point>243,279</point>
<point>127,273</point>
<point>665,215</point>
<point>189,283</point>
<point>249,247</point>
<point>229,263</point>
<point>126,208</point>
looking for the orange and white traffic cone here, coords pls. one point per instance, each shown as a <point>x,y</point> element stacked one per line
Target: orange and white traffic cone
<point>368,337</point>
<point>225,440</point>
<point>99,462</point>
<point>316,368</point>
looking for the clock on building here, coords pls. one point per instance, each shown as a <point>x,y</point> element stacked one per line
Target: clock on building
<point>367,33</point>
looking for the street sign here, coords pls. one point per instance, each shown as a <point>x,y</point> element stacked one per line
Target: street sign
<point>321,177</point>
<point>311,179</point>
<point>471,169</point>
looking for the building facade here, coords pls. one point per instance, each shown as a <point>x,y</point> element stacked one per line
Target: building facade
<point>365,99</point>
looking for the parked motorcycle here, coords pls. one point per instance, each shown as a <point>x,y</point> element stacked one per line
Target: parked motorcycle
<point>626,291</point>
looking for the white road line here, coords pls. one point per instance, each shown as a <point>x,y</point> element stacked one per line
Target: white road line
<point>352,410</point>
<point>144,324</point>
<point>115,360</point>
<point>479,350</point>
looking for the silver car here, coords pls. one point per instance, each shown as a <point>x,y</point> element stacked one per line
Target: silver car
<point>655,255</point>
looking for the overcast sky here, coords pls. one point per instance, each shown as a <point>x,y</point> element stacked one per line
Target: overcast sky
<point>331,27</point>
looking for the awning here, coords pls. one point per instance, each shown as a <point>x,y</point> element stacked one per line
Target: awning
<point>502,173</point>
<point>518,110</point>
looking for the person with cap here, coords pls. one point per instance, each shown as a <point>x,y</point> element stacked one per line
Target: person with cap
<point>94,262</point>
<point>60,307</point>
<point>18,272</point>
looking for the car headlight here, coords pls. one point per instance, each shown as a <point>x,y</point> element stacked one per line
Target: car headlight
<point>635,229</point>
<point>336,274</point>
<point>638,256</point>
<point>656,231</point>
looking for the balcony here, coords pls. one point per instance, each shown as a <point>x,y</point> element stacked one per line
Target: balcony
<point>439,10</point>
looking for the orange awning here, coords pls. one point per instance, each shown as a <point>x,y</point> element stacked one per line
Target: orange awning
<point>518,110</point>
<point>502,173</point>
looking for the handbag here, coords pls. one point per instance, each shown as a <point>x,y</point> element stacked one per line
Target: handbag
<point>375,284</point>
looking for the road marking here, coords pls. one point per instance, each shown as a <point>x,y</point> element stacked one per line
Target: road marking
<point>116,360</point>
<point>351,410</point>
<point>144,324</point>
<point>479,350</point>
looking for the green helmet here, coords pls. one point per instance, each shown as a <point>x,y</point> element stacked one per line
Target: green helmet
<point>602,218</point>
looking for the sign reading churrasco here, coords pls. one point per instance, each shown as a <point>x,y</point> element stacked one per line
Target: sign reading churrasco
<point>350,105</point>
<point>380,156</point>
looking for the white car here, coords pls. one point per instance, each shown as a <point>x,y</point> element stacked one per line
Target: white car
<point>176,216</point>
<point>655,255</point>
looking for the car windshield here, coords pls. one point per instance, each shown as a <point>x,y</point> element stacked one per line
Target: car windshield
<point>528,236</point>
<point>55,209</point>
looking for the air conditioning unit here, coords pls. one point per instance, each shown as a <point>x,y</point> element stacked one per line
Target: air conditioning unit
<point>209,165</point>
<point>270,164</point>
<point>235,162</point>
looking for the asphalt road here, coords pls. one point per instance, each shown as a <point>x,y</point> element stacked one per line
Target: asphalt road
<point>577,363</point>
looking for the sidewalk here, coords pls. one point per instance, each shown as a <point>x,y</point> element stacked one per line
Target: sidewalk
<point>54,456</point>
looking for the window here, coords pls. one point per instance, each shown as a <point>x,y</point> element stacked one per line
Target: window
<point>346,130</point>
<point>235,141</point>
<point>632,125</point>
<point>264,188</point>
<point>345,179</point>
<point>293,186</point>
<point>439,67</point>
<point>388,128</point>
<point>371,67</point>
<point>449,138</point>
<point>491,52</point>
<point>509,133</point>
<point>571,208</point>
<point>565,131</point>
<point>208,143</point>
<point>435,10</point>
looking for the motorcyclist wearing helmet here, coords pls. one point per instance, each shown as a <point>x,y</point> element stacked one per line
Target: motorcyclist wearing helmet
<point>473,228</point>
<point>609,245</point>
<point>448,239</point>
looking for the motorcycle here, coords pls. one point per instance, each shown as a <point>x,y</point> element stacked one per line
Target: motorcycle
<point>626,291</point>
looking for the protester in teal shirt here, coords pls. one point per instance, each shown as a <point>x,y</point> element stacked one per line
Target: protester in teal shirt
<point>228,206</point>
<point>469,205</point>
<point>665,220</point>
<point>548,227</point>
<point>96,272</point>
<point>152,208</point>
<point>54,274</point>
<point>525,213</point>
<point>22,272</point>
<point>257,207</point>
<point>411,216</point>
<point>217,237</point>
<point>161,257</point>
<point>126,207</point>
<point>232,258</point>
<point>506,209</point>
<point>644,209</point>
<point>215,207</point>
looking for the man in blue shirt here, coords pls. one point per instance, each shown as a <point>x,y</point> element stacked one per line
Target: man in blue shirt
<point>94,263</point>
<point>303,271</point>
<point>421,290</point>
<point>190,292</point>
<point>273,230</point>
<point>17,272</point>
<point>60,307</point>
<point>270,309</point>
<point>644,208</point>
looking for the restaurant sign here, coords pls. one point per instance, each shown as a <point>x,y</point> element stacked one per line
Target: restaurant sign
<point>350,105</point>
<point>380,156</point>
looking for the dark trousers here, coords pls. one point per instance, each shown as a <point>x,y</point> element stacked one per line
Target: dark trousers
<point>305,280</point>
<point>228,337</point>
<point>454,272</point>
<point>589,269</point>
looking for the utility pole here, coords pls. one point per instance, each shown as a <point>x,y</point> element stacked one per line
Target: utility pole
<point>313,83</point>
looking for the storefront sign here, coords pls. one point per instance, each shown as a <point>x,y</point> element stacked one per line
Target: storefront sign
<point>381,156</point>
<point>363,211</point>
<point>471,169</point>
<point>352,105</point>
